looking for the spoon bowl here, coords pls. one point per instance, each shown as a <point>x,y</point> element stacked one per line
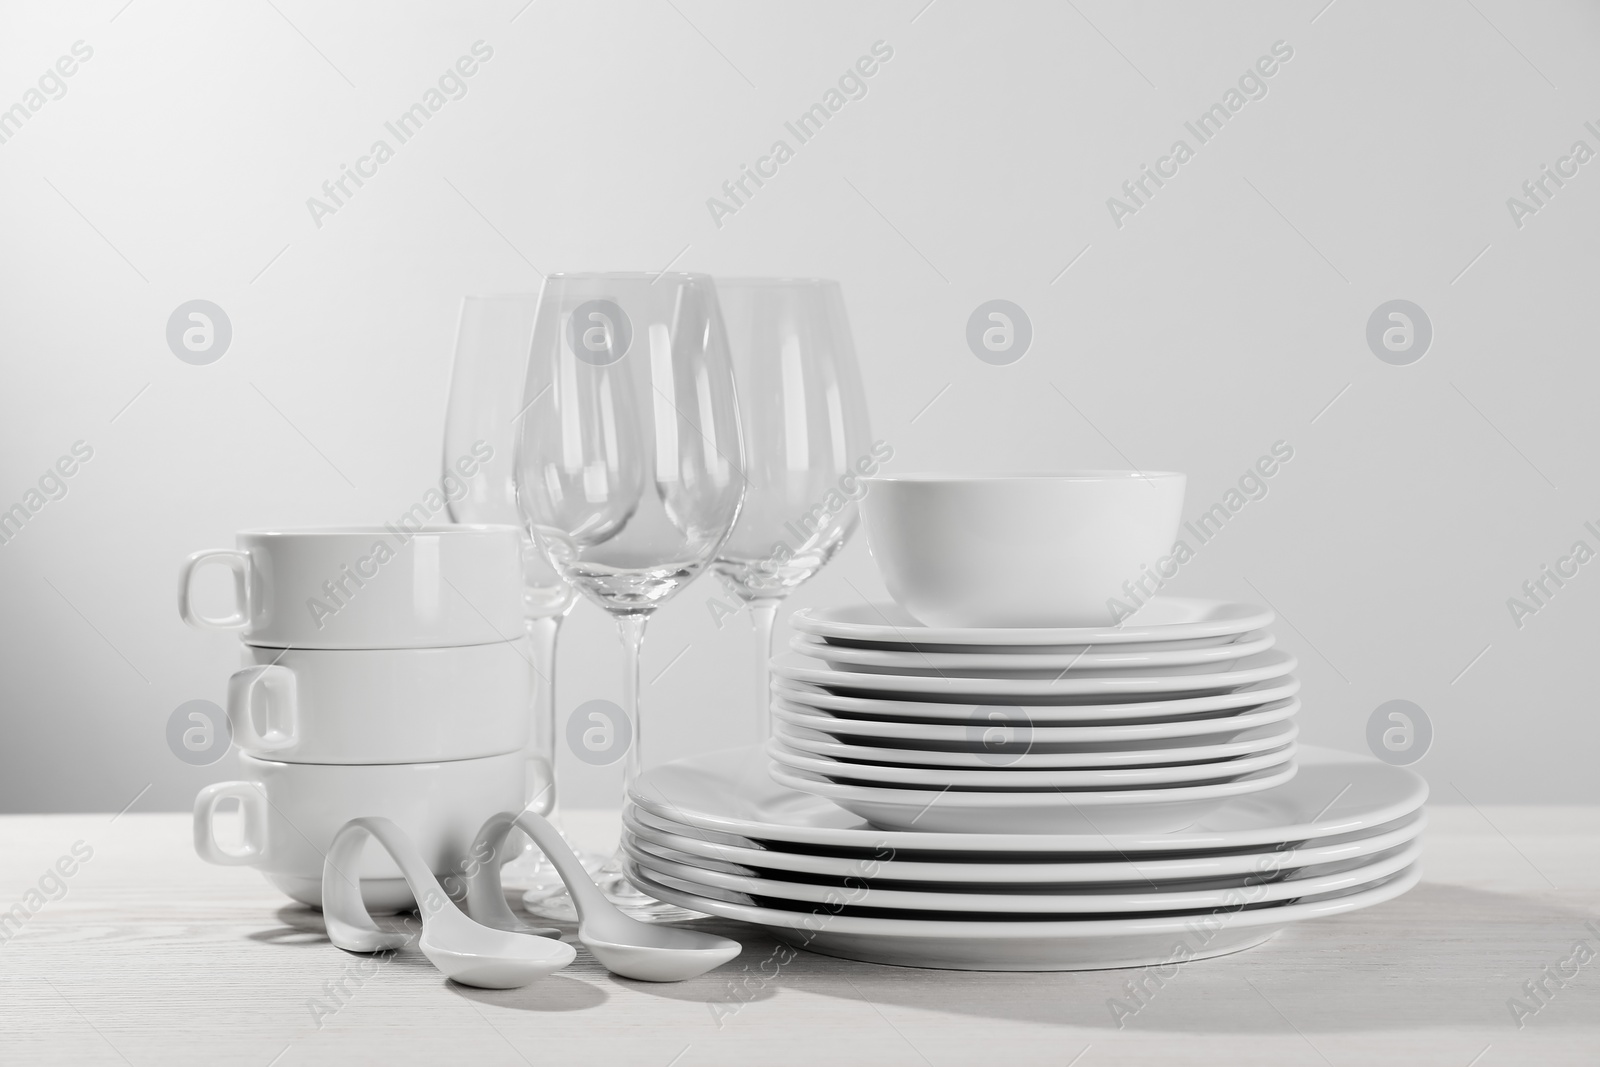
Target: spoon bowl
<point>652,953</point>
<point>466,951</point>
<point>489,959</point>
<point>624,946</point>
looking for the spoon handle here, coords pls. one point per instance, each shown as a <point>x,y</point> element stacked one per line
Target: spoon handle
<point>344,913</point>
<point>486,902</point>
<point>584,892</point>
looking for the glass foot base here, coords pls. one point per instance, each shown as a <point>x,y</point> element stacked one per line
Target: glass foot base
<point>552,905</point>
<point>544,893</point>
<point>635,902</point>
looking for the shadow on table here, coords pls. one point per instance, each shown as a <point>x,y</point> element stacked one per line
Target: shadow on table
<point>1440,956</point>
<point>556,993</point>
<point>575,990</point>
<point>300,926</point>
<point>304,926</point>
<point>746,979</point>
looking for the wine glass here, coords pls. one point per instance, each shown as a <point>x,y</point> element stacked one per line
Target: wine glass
<point>630,463</point>
<point>480,435</point>
<point>806,443</point>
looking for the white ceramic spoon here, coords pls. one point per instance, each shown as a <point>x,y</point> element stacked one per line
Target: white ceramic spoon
<point>646,951</point>
<point>466,951</point>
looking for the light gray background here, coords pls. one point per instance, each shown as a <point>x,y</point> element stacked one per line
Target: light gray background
<point>1228,314</point>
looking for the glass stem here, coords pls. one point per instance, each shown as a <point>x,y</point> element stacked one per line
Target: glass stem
<point>631,627</point>
<point>763,613</point>
<point>543,632</point>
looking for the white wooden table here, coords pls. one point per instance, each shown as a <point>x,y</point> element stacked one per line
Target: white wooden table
<point>149,956</point>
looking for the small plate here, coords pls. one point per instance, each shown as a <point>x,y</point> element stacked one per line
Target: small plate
<point>1084,662</point>
<point>1067,943</point>
<point>978,733</point>
<point>1183,682</point>
<point>1153,810</point>
<point>1025,756</point>
<point>702,848</point>
<point>1134,711</point>
<point>1065,785</point>
<point>1159,623</point>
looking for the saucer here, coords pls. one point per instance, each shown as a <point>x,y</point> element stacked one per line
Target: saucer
<point>1041,664</point>
<point>1064,785</point>
<point>1133,711</point>
<point>972,730</point>
<point>1160,623</point>
<point>978,755</point>
<point>1181,682</point>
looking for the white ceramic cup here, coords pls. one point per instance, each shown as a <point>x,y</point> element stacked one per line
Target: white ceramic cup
<point>367,586</point>
<point>291,812</point>
<point>1045,550</point>
<point>389,705</point>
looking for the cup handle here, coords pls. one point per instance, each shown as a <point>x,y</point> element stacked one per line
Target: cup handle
<point>252,803</point>
<point>237,562</point>
<point>277,684</point>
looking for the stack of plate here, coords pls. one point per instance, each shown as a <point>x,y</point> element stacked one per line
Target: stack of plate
<point>1033,799</point>
<point>716,834</point>
<point>1144,727</point>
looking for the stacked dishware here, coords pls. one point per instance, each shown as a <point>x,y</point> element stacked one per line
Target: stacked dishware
<point>386,673</point>
<point>716,834</point>
<point>1028,762</point>
<point>1056,737</point>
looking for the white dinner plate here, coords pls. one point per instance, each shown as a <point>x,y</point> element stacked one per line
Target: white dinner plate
<point>705,848</point>
<point>1172,681</point>
<point>1162,622</point>
<point>1023,900</point>
<point>730,792</point>
<point>1031,664</point>
<point>1023,755</point>
<point>1061,945</point>
<point>1007,780</point>
<point>1149,810</point>
<point>989,728</point>
<point>1156,712</point>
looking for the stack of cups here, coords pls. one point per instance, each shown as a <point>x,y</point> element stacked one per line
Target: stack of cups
<point>386,672</point>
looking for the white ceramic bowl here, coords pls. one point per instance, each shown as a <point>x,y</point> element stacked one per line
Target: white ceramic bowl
<point>1020,551</point>
<point>391,586</point>
<point>383,705</point>
<point>291,812</point>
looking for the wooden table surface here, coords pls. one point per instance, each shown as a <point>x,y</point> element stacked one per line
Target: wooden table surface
<point>146,955</point>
